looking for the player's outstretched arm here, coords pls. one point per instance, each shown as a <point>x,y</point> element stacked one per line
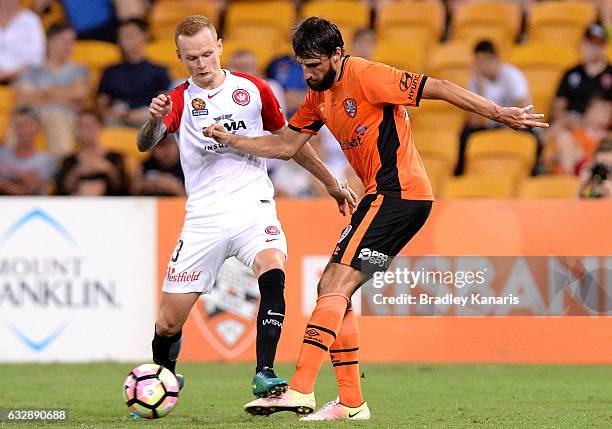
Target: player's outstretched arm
<point>283,146</point>
<point>514,117</point>
<point>308,159</point>
<point>154,129</point>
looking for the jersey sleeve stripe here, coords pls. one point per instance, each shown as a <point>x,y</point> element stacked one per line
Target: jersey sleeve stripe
<point>309,129</point>
<point>173,119</point>
<point>420,91</point>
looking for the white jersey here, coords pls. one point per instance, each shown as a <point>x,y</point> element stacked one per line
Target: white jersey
<point>217,177</point>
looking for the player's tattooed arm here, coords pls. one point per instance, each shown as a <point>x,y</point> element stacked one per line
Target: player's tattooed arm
<point>154,129</point>
<point>150,134</point>
<point>513,117</point>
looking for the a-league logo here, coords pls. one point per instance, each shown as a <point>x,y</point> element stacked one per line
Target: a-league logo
<point>199,107</point>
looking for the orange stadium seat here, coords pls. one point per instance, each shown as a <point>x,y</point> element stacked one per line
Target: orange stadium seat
<point>434,114</point>
<point>437,172</point>
<point>550,187</point>
<point>7,99</point>
<point>438,150</point>
<point>164,52</point>
<point>348,15</point>
<point>4,121</point>
<point>167,13</point>
<point>438,143</point>
<point>262,21</point>
<point>479,186</point>
<point>95,54</point>
<point>498,22</point>
<point>397,53</point>
<point>411,20</point>
<point>560,22</point>
<point>263,53</point>
<point>122,140</point>
<point>451,61</point>
<point>503,152</point>
<point>543,65</point>
<point>414,36</point>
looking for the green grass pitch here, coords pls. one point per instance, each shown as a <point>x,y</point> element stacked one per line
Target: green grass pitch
<point>400,396</point>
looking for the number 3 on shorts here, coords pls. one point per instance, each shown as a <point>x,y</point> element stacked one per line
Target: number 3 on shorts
<point>177,250</point>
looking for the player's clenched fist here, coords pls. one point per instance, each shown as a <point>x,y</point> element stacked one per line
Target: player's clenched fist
<point>160,106</point>
<point>219,133</point>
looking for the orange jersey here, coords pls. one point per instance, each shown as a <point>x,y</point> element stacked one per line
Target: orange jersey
<point>365,112</point>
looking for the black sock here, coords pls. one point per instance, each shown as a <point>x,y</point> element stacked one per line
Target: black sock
<point>166,349</point>
<point>270,316</point>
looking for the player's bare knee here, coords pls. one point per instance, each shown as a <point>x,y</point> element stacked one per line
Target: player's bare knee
<point>167,328</point>
<point>267,260</point>
<point>339,279</point>
<point>327,286</point>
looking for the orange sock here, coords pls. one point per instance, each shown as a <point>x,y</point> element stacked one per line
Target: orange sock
<point>320,334</point>
<point>344,356</point>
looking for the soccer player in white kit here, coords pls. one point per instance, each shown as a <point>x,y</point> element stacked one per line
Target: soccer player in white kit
<point>230,208</point>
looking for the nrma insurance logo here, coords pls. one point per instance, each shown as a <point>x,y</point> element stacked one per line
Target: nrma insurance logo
<point>44,280</point>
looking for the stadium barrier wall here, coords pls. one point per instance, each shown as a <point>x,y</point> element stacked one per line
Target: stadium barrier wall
<point>80,279</point>
<point>77,279</point>
<point>456,227</point>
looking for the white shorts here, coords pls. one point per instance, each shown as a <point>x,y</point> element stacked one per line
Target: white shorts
<point>205,243</point>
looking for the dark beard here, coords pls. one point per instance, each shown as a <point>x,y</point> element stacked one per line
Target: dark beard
<point>325,83</point>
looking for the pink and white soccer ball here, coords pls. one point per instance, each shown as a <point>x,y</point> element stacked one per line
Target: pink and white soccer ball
<point>151,391</point>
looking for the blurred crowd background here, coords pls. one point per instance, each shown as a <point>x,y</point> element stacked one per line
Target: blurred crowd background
<point>76,78</point>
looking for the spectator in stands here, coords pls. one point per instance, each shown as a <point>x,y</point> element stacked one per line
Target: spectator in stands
<point>245,61</point>
<point>593,76</point>
<point>24,170</point>
<point>92,170</point>
<point>126,89</point>
<point>22,40</point>
<point>58,89</point>
<point>161,174</point>
<point>364,43</point>
<point>576,147</point>
<point>502,83</point>
<point>596,177</point>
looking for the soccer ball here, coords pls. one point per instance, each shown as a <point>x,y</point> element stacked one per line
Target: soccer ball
<point>151,391</point>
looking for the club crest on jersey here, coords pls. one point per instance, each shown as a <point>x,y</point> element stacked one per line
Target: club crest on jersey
<point>241,97</point>
<point>350,107</point>
<point>272,230</point>
<point>345,232</point>
<point>227,319</point>
<point>199,107</point>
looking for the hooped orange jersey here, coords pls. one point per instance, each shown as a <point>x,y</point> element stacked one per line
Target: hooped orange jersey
<point>365,112</point>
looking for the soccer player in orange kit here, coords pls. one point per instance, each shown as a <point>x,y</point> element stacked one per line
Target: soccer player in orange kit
<point>363,103</point>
